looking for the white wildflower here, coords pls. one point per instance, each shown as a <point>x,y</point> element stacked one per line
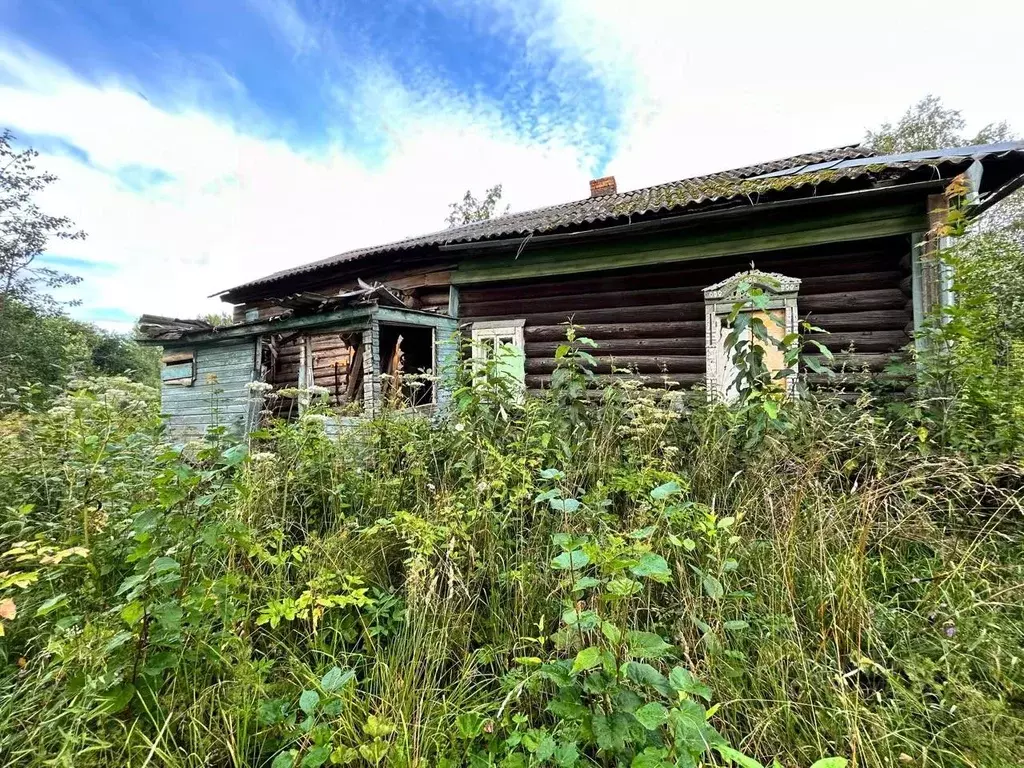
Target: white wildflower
<point>317,390</point>
<point>264,456</point>
<point>459,427</point>
<point>259,386</point>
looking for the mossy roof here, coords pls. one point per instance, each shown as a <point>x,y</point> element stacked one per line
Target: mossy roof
<point>806,175</point>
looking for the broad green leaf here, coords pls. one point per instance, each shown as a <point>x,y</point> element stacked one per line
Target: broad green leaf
<point>586,582</point>
<point>735,625</point>
<point>831,762</point>
<point>652,566</point>
<point>52,604</point>
<point>469,725</point>
<point>644,674</point>
<point>652,757</point>
<point>586,659</point>
<point>317,756</point>
<point>611,632</point>
<point>683,681</point>
<point>566,754</point>
<point>573,560</point>
<point>133,612</point>
<point>551,474</point>
<point>308,701</point>
<point>335,679</point>
<point>652,716</point>
<point>713,587</point>
<point>233,456</point>
<point>623,587</point>
<point>564,505</point>
<point>647,645</point>
<point>737,757</point>
<point>284,759</point>
<point>665,490</point>
<point>582,619</point>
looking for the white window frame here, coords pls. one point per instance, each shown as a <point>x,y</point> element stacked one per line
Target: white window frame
<point>719,300</point>
<point>493,332</point>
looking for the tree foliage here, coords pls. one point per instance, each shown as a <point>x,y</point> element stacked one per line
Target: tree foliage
<point>471,209</point>
<point>26,231</point>
<point>40,346</point>
<point>929,124</point>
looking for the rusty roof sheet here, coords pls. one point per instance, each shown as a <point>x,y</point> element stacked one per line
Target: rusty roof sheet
<point>751,184</point>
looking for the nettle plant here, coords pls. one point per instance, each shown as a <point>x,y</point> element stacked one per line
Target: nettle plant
<point>761,391</point>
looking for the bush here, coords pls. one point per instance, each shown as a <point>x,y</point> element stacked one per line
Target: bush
<point>562,581</point>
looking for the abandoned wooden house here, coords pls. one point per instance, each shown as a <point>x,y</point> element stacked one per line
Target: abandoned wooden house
<point>848,237</point>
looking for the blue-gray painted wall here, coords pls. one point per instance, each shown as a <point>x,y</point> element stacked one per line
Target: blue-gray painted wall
<point>218,395</point>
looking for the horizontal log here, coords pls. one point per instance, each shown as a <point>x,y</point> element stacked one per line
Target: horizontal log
<point>597,331</point>
<point>660,380</point>
<point>889,298</point>
<point>622,346</point>
<point>625,293</point>
<point>856,362</point>
<point>862,341</point>
<point>803,263</point>
<point>658,313</point>
<point>886,320</point>
<point>639,363</point>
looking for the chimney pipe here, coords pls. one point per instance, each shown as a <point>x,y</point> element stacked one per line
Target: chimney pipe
<point>603,186</point>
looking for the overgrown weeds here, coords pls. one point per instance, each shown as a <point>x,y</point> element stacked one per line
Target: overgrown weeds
<point>544,582</point>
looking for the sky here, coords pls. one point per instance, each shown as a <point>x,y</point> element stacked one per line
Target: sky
<point>203,143</point>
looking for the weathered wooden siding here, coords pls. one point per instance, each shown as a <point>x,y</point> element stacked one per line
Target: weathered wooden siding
<point>651,319</point>
<point>218,397</point>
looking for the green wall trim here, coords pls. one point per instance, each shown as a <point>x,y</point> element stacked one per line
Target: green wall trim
<point>859,225</point>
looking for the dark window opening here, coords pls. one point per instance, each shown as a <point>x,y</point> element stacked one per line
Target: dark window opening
<point>406,364</point>
<point>295,363</point>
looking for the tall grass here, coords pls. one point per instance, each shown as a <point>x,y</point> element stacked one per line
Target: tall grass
<point>841,585</point>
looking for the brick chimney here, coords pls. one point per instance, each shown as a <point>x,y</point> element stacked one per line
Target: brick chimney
<point>605,186</point>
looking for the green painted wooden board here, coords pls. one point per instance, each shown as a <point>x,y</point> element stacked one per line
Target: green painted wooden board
<point>178,371</point>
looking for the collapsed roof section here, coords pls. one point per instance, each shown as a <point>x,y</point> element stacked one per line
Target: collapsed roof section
<point>312,308</point>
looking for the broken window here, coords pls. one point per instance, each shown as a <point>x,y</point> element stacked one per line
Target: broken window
<point>406,365</point>
<point>298,364</point>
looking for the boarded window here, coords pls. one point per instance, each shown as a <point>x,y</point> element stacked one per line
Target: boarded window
<point>179,369</point>
<point>501,345</point>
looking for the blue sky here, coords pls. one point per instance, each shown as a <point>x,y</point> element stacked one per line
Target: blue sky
<point>201,143</point>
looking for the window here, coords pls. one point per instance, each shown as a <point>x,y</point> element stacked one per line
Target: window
<point>178,369</point>
<point>407,365</point>
<point>775,307</point>
<point>502,342</point>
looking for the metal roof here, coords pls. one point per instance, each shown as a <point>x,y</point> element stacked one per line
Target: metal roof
<point>750,184</point>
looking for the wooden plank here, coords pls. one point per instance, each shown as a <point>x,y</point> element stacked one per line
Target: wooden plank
<point>889,298</point>
<point>862,341</point>
<point>345,320</point>
<point>830,261</point>
<point>887,320</point>
<point>624,330</point>
<point>657,313</point>
<point>662,380</point>
<point>177,357</point>
<point>638,363</point>
<point>626,293</point>
<point>627,345</point>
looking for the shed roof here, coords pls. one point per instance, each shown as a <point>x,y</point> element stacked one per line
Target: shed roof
<point>801,176</point>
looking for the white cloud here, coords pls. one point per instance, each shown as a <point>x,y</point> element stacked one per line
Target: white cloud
<point>709,86</point>
<point>701,87</point>
<point>236,205</point>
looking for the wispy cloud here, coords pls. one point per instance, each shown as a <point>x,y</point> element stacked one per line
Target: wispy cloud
<point>286,20</point>
<point>183,202</point>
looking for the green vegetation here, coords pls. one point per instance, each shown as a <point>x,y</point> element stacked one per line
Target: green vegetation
<point>560,581</point>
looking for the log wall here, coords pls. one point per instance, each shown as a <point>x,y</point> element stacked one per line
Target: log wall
<point>651,320</point>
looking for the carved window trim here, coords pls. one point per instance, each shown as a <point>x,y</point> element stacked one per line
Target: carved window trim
<point>719,300</point>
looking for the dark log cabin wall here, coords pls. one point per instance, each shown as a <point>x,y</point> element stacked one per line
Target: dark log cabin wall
<point>651,319</point>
